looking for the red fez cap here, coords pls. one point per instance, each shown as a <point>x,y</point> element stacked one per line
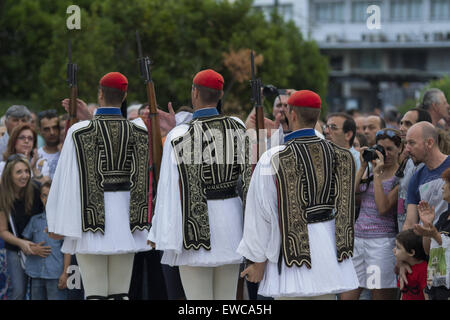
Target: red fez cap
<point>114,80</point>
<point>305,98</point>
<point>209,78</point>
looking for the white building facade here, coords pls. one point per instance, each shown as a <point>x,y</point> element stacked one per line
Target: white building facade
<point>381,52</point>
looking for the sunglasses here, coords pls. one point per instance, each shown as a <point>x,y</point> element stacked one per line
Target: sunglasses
<point>391,133</point>
<point>14,157</point>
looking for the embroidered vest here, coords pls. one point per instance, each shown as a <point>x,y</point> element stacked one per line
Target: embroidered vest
<point>315,183</point>
<point>212,157</point>
<point>112,155</point>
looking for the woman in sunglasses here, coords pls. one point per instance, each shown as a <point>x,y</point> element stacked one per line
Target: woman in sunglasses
<point>19,200</point>
<point>375,228</point>
<point>23,141</point>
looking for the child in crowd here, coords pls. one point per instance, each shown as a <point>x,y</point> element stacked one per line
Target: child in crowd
<point>48,275</point>
<point>409,249</point>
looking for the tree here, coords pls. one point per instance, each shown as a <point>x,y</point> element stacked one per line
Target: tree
<point>442,84</point>
<point>181,37</point>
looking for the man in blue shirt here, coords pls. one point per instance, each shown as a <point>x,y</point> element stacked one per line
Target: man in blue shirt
<point>48,276</point>
<point>426,184</point>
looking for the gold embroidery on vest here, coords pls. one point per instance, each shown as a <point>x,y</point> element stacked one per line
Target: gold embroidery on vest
<point>209,171</point>
<point>345,203</point>
<point>110,155</point>
<point>313,177</point>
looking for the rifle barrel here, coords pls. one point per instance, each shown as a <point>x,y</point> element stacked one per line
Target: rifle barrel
<point>72,80</point>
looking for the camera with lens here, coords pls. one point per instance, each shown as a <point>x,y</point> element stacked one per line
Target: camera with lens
<point>270,90</point>
<point>371,154</point>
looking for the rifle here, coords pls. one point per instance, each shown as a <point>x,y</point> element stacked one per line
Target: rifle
<point>72,80</point>
<point>256,100</point>
<point>260,147</point>
<point>152,123</point>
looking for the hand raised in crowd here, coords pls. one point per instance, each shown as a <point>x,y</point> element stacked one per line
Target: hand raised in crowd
<point>38,249</point>
<point>166,120</point>
<point>269,125</point>
<point>254,272</point>
<point>34,159</point>
<point>83,112</point>
<point>426,215</point>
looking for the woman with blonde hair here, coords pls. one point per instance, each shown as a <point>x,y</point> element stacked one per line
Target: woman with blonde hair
<point>19,200</point>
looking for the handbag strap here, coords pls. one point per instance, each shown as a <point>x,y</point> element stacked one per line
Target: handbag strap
<point>11,222</point>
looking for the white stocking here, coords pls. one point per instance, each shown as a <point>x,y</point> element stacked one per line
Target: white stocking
<point>105,275</point>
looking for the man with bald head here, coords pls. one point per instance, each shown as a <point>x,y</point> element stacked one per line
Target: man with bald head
<point>407,168</point>
<point>426,184</point>
<point>372,125</point>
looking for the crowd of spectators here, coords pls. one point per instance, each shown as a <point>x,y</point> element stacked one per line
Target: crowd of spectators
<point>402,191</point>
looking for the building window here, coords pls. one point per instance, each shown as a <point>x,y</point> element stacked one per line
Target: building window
<point>359,10</point>
<point>406,10</point>
<point>337,63</point>
<point>329,12</point>
<point>285,10</point>
<point>440,10</point>
<point>369,60</point>
<point>414,60</point>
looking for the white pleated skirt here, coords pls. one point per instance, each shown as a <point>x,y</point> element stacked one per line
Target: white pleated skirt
<point>226,225</point>
<point>327,275</point>
<point>117,238</point>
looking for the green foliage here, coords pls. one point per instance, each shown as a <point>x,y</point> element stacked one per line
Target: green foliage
<point>442,84</point>
<point>407,105</point>
<point>181,37</point>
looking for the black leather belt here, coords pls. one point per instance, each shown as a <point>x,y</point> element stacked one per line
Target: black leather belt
<point>220,194</point>
<point>319,215</point>
<point>109,187</point>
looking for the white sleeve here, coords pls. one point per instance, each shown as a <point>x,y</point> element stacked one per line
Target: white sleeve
<point>261,238</point>
<point>64,200</point>
<point>139,122</point>
<point>166,231</point>
<point>183,117</point>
